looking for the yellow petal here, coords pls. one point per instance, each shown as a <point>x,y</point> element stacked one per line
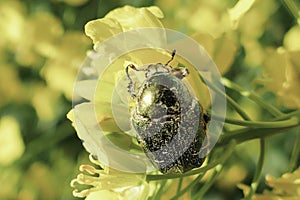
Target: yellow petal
<point>40,31</point>
<point>291,39</point>
<point>101,29</point>
<point>238,11</point>
<point>281,77</point>
<point>156,11</point>
<point>121,140</point>
<point>86,89</point>
<point>222,49</point>
<point>287,185</point>
<point>12,145</point>
<point>122,19</point>
<point>130,17</point>
<point>12,22</point>
<point>103,194</point>
<point>205,20</point>
<point>45,96</point>
<point>106,118</point>
<point>255,54</point>
<point>253,22</point>
<point>294,56</point>
<point>59,77</point>
<point>71,48</point>
<point>15,91</point>
<point>70,115</point>
<point>224,54</point>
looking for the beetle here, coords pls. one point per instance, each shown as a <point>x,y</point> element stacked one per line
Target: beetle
<point>170,123</point>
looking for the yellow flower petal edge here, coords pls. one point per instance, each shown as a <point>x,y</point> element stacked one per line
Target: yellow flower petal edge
<point>285,187</point>
<point>123,19</point>
<point>292,39</point>
<point>104,179</point>
<point>238,11</point>
<point>101,29</point>
<point>12,144</point>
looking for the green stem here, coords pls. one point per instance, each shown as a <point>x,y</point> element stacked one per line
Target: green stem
<point>258,171</point>
<point>295,113</point>
<point>257,124</point>
<point>208,183</point>
<point>187,188</point>
<point>179,186</point>
<point>233,103</point>
<point>246,134</point>
<point>229,149</point>
<point>292,7</point>
<point>295,154</point>
<point>160,191</point>
<point>251,95</point>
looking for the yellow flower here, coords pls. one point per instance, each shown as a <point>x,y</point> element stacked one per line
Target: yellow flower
<point>65,56</point>
<point>249,19</point>
<point>15,92</point>
<point>252,23</point>
<point>287,187</point>
<point>39,33</point>
<point>11,143</point>
<point>197,16</point>
<point>12,23</point>
<point>122,19</point>
<point>45,96</point>
<point>106,183</point>
<point>291,39</point>
<point>282,71</point>
<point>222,49</point>
<point>238,11</point>
<point>210,25</point>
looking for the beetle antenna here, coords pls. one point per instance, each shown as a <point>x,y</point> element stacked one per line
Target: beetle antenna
<point>173,54</point>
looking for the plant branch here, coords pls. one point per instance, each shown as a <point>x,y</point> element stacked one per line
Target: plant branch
<point>293,121</point>
<point>254,97</point>
<point>258,171</point>
<point>295,154</point>
<point>192,184</point>
<point>231,101</point>
<point>208,183</point>
<point>245,134</point>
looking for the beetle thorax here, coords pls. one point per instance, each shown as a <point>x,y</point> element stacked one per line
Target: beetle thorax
<point>156,69</point>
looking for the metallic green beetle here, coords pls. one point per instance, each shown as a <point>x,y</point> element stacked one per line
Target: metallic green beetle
<point>170,123</point>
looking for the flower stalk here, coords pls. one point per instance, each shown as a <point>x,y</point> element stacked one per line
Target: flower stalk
<point>258,172</point>
<point>295,154</point>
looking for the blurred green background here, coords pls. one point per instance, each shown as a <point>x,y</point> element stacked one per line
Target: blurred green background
<point>42,45</point>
